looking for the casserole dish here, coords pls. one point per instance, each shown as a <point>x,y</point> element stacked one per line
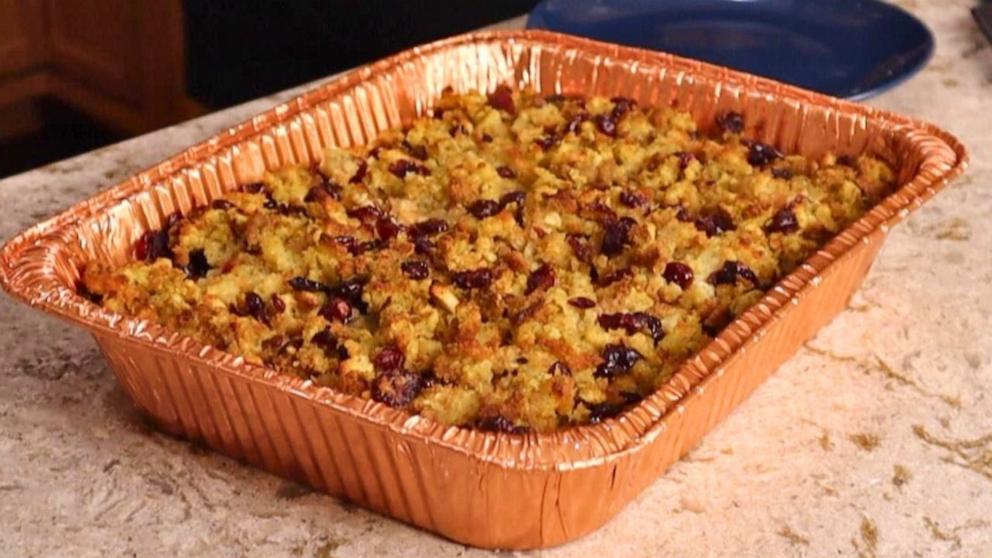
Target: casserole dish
<point>487,489</point>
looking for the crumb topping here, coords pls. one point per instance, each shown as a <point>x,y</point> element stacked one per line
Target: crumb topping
<point>511,262</point>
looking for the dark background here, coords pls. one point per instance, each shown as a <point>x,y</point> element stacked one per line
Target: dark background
<point>240,50</point>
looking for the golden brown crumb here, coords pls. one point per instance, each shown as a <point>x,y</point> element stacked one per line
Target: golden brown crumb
<point>510,263</point>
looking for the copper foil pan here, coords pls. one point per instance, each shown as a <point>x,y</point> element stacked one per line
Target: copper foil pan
<point>480,488</point>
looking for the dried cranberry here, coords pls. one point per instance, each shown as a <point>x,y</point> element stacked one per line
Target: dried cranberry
<point>606,124</point>
<point>84,292</point>
<point>685,158</point>
<point>601,411</point>
<point>277,343</point>
<point>322,191</point>
<point>500,423</point>
<point>580,245</point>
<point>731,270</point>
<point>284,209</point>
<point>277,304</point>
<point>632,323</point>
<point>387,228</point>
<point>153,245</point>
<point>783,221</point>
<point>630,398</point>
<point>782,172</point>
<point>429,227</point>
<point>415,269</point>
<point>363,169</point>
<point>682,214</point>
<point>255,306</point>
<point>547,141</point>
<point>254,188</point>
<point>512,197</point>
<point>555,98</point>
<point>653,326</point>
<point>325,340</point>
<point>616,321</point>
<point>600,212</point>
<point>337,309</point>
<point>473,279</point>
<point>617,236</point>
<point>559,367</point>
<point>142,244</point>
<point>171,221</point>
<point>402,167</point>
<point>221,203</point>
<point>367,214</point>
<point>718,319</point>
<point>416,151</point>
<point>607,280</point>
<point>308,285</point>
<point>346,241</point>
<point>731,121</point>
<point>598,412</point>
<point>582,302</point>
<point>678,273</point>
<point>621,106</point>
<point>574,125</point>
<point>760,154</point>
<point>481,209</point>
<point>486,138</point>
<point>523,315</point>
<point>456,130</point>
<point>389,359</point>
<point>505,172</point>
<point>423,246</point>
<point>198,265</point>
<point>517,198</point>
<point>632,199</point>
<point>541,278</point>
<point>715,221</point>
<point>397,388</point>
<point>368,246</point>
<point>845,160</point>
<point>502,99</point>
<point>617,359</point>
<point>351,290</point>
<point>315,194</point>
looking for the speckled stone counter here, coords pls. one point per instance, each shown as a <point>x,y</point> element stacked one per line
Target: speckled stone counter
<point>874,440</point>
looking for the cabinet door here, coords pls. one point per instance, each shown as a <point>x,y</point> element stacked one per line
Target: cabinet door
<point>22,35</point>
<point>99,44</point>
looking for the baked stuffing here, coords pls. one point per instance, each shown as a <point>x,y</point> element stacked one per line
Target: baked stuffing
<point>511,262</point>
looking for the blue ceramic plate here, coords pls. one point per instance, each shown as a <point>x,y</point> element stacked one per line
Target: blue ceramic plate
<point>845,48</point>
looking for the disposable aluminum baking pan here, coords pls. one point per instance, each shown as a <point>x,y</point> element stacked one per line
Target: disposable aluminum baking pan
<point>486,489</point>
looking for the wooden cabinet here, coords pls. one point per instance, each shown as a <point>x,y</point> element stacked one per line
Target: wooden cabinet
<point>97,44</point>
<point>120,61</point>
<point>23,49</point>
<point>22,35</point>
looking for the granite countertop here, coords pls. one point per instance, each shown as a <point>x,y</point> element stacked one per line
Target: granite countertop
<point>874,440</point>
